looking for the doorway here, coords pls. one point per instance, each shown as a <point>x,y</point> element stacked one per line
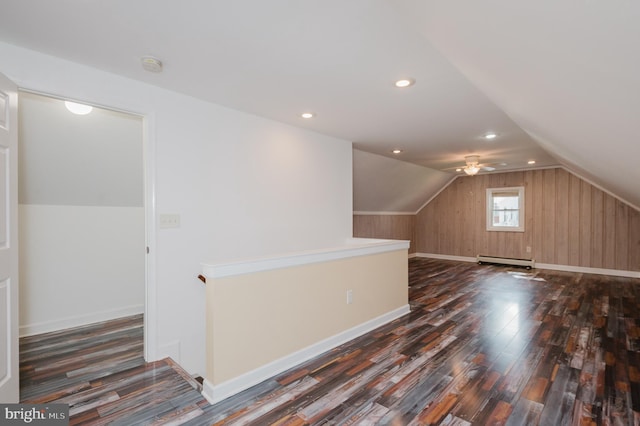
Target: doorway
<point>81,213</point>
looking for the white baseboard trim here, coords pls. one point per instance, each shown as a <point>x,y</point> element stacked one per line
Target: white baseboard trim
<point>551,266</point>
<point>447,257</point>
<point>585,270</point>
<point>412,255</point>
<point>79,320</point>
<point>216,393</point>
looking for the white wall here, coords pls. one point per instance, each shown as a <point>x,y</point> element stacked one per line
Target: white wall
<point>81,215</point>
<point>243,186</point>
<point>79,264</point>
<point>78,160</point>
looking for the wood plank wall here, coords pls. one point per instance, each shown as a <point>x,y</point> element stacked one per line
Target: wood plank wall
<point>568,222</point>
<point>394,227</point>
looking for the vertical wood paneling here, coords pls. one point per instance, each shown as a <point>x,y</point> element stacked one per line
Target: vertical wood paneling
<point>585,213</point>
<point>457,232</point>
<point>609,254</point>
<point>445,223</point>
<point>634,240</point>
<point>538,215</point>
<point>567,222</point>
<point>494,238</point>
<point>480,215</point>
<point>529,214</point>
<point>394,227</point>
<point>427,228</point>
<point>548,254</point>
<point>574,220</point>
<point>562,217</point>
<point>430,237</point>
<point>466,198</point>
<point>447,240</point>
<point>597,221</point>
<point>513,241</point>
<point>621,236</point>
<point>437,223</point>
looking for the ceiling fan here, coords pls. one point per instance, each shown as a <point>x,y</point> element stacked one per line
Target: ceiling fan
<point>473,166</point>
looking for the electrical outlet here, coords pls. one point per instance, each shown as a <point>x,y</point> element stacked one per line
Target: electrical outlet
<point>169,221</point>
<point>528,249</point>
<point>349,297</point>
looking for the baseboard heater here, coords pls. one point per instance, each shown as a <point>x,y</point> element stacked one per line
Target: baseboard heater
<point>527,263</point>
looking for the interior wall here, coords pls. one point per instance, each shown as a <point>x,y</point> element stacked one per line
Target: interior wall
<point>377,283</point>
<point>568,221</point>
<point>79,265</point>
<point>389,226</point>
<point>242,185</point>
<point>81,215</point>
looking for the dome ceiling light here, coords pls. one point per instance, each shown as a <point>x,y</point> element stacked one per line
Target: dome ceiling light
<point>78,109</point>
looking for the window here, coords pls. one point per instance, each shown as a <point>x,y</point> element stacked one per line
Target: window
<point>505,209</point>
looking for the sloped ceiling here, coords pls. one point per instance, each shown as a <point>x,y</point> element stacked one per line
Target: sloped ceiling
<point>557,81</point>
<point>382,184</point>
<point>567,72</point>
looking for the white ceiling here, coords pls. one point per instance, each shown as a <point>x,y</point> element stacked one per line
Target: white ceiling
<point>558,81</point>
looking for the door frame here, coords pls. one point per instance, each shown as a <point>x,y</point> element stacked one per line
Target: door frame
<point>10,379</point>
<point>149,177</point>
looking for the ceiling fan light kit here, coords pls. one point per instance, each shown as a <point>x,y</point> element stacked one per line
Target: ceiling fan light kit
<point>471,170</point>
<point>472,165</point>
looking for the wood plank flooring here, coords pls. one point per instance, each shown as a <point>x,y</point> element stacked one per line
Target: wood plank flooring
<point>99,370</point>
<point>482,345</point>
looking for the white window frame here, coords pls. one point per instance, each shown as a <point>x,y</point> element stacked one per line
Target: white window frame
<point>491,192</point>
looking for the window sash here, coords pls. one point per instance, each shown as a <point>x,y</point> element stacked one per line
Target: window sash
<point>501,213</point>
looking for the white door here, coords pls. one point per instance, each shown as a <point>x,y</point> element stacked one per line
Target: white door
<point>9,380</point>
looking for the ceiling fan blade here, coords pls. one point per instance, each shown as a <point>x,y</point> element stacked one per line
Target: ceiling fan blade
<point>452,169</point>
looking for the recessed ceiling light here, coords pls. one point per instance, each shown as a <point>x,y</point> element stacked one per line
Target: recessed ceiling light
<point>307,115</point>
<point>490,135</point>
<point>458,170</point>
<point>79,109</point>
<point>531,162</point>
<point>396,151</point>
<point>405,82</point>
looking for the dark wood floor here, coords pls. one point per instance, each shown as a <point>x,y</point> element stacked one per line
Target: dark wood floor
<point>100,372</point>
<point>482,345</point>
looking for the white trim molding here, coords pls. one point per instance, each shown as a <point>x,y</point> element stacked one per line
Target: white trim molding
<point>447,257</point>
<point>151,349</point>
<point>586,270</point>
<point>551,266</point>
<point>216,393</point>
<point>352,247</point>
<point>360,213</point>
<point>80,320</point>
<point>436,194</point>
<point>600,187</point>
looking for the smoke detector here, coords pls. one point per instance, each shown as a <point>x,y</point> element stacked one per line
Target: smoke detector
<point>151,64</point>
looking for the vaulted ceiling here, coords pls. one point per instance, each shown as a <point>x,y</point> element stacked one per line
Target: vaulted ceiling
<point>557,81</point>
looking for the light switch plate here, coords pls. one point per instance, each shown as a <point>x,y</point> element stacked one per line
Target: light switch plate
<point>169,221</point>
